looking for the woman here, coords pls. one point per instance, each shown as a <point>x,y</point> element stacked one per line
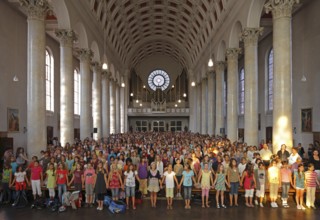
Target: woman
<point>154,183</point>
<point>315,160</point>
<point>21,157</point>
<point>100,185</point>
<point>283,154</point>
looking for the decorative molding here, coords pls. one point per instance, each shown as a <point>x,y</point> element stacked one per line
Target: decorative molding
<point>84,54</point>
<point>96,67</point>
<point>280,8</point>
<point>233,53</point>
<point>36,9</point>
<point>219,66</point>
<point>250,36</point>
<point>106,75</point>
<point>67,37</point>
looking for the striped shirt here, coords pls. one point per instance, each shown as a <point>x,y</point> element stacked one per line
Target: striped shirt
<point>311,177</point>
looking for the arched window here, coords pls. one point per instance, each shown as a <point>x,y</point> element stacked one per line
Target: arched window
<point>76,92</point>
<point>241,91</point>
<point>49,82</point>
<point>270,81</point>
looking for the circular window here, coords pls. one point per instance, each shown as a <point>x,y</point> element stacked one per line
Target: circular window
<point>158,79</point>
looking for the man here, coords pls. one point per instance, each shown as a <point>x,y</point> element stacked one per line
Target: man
<point>265,154</point>
<point>283,154</point>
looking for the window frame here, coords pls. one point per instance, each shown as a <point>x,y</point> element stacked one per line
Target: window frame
<point>76,93</point>
<point>49,77</point>
<point>241,91</point>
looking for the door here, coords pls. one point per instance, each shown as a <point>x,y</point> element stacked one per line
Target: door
<point>268,134</point>
<point>49,134</point>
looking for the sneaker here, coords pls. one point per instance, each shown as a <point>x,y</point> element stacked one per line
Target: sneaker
<point>275,205</point>
<point>256,202</point>
<point>261,205</point>
<point>272,204</point>
<point>303,208</point>
<point>298,207</point>
<point>98,208</point>
<point>218,206</point>
<point>223,206</point>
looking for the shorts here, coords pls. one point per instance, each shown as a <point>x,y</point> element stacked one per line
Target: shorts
<point>21,186</point>
<point>115,192</point>
<point>36,188</point>
<point>187,192</point>
<point>205,192</point>
<point>130,191</point>
<point>169,192</point>
<point>153,189</point>
<point>78,186</point>
<point>234,188</point>
<point>249,193</point>
<point>299,188</point>
<point>89,189</point>
<point>260,193</point>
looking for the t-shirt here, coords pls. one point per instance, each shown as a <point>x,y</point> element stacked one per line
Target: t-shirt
<point>273,174</point>
<point>35,173</point>
<point>178,169</point>
<point>6,175</point>
<point>187,181</point>
<point>51,179</point>
<point>77,176</point>
<point>20,176</point>
<point>62,176</point>
<point>169,179</point>
<point>14,166</point>
<point>311,179</point>
<point>285,175</point>
<point>130,178</point>
<point>89,176</point>
<point>262,176</point>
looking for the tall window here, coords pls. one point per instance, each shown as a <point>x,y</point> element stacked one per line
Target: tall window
<point>49,82</point>
<point>270,82</point>
<point>241,91</point>
<point>76,92</point>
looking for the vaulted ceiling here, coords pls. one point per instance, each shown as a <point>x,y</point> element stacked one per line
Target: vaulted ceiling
<point>180,29</point>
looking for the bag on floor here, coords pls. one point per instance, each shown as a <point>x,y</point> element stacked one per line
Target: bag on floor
<point>117,207</point>
<point>107,200</point>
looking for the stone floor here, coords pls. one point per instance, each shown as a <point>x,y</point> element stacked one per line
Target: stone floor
<point>144,212</point>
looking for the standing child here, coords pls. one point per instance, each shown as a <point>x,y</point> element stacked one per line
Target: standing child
<point>20,180</point>
<point>36,179</point>
<point>220,183</point>
<point>143,176</point>
<point>187,180</point>
<point>51,180</point>
<point>77,178</point>
<point>88,183</point>
<point>170,178</point>
<point>286,181</point>
<point>206,178</point>
<point>6,181</point>
<point>299,185</point>
<point>62,180</point>
<point>114,182</point>
<point>274,181</point>
<point>178,169</point>
<point>311,185</point>
<point>129,179</point>
<point>233,181</point>
<point>249,183</point>
<point>260,177</point>
<point>154,183</point>
<point>100,185</point>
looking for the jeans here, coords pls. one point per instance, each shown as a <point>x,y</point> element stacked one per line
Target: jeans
<point>234,186</point>
<point>187,192</point>
<point>285,190</point>
<point>61,187</point>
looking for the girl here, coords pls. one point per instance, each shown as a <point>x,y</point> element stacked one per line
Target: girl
<point>6,181</point>
<point>88,180</point>
<point>159,164</point>
<point>70,162</point>
<point>170,177</point>
<point>76,179</point>
<point>154,181</point>
<point>220,185</point>
<point>286,180</point>
<point>20,180</point>
<point>299,185</point>
<point>311,185</point>
<point>129,180</point>
<point>114,182</point>
<point>178,169</point>
<point>274,181</point>
<point>143,176</point>
<point>206,178</point>
<point>62,180</point>
<point>249,183</point>
<point>233,181</point>
<point>187,180</point>
<point>260,177</point>
<point>36,179</point>
<point>51,180</point>
<point>100,185</point>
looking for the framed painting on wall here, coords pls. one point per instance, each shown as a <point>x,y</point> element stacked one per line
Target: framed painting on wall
<point>13,120</point>
<point>306,120</point>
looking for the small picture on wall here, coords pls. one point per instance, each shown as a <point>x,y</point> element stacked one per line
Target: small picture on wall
<point>306,120</point>
<point>13,120</point>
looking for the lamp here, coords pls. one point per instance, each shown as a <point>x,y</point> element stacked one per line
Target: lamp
<point>131,94</point>
<point>210,63</point>
<point>193,84</point>
<point>303,78</point>
<point>184,95</point>
<point>104,65</point>
<point>15,78</point>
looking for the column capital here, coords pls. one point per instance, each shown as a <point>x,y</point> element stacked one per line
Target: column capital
<point>250,35</point>
<point>233,53</point>
<point>67,37</point>
<point>280,8</point>
<point>106,74</point>
<point>219,66</point>
<point>96,67</point>
<point>210,74</point>
<point>36,9</point>
<point>84,54</point>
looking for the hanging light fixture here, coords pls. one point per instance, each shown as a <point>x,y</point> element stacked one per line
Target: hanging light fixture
<point>131,94</point>
<point>104,65</point>
<point>184,95</point>
<point>210,63</point>
<point>15,78</point>
<point>179,88</point>
<point>193,84</point>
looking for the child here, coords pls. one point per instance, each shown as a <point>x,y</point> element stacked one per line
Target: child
<point>153,183</point>
<point>13,165</point>
<point>170,178</point>
<point>88,183</point>
<point>220,183</point>
<point>100,185</point>
<point>299,185</point>
<point>6,180</point>
<point>62,180</point>
<point>143,176</point>
<point>274,181</point>
<point>233,181</point>
<point>249,183</point>
<point>187,180</point>
<point>260,177</point>
<point>286,180</point>
<point>311,185</point>
<point>178,169</point>
<point>206,178</point>
<point>51,180</point>
<point>20,180</point>
<point>129,179</point>
<point>77,178</point>
<point>114,182</point>
<point>36,179</point>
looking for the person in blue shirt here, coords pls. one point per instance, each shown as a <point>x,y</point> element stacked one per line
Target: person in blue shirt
<point>187,180</point>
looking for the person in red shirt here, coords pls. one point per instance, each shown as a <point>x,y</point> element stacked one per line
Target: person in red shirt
<point>36,179</point>
<point>62,180</point>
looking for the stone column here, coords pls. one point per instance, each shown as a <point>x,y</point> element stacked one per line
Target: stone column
<point>198,108</point>
<point>211,102</point>
<point>232,105</point>
<point>282,70</point>
<point>96,100</point>
<point>112,103</point>
<point>36,86</point>
<point>85,56</point>
<point>219,68</point>
<point>105,104</point>
<point>192,105</point>
<point>250,38</point>
<point>204,105</point>
<point>125,98</point>
<point>67,37</point>
<point>117,107</point>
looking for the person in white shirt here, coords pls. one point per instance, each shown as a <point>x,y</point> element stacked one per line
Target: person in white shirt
<point>265,154</point>
<point>130,177</point>
<point>159,164</point>
<point>242,165</point>
<point>170,177</point>
<point>293,156</point>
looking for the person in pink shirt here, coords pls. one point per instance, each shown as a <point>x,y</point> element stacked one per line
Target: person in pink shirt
<point>311,185</point>
<point>36,179</point>
<point>286,180</point>
<point>88,181</point>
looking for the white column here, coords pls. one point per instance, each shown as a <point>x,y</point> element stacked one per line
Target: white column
<point>67,38</point>
<point>198,107</point>
<point>126,100</point>
<point>36,87</point>
<point>192,105</point>
<point>85,56</point>
<point>211,102</point>
<point>96,100</point>
<point>112,106</point>
<point>250,37</point>
<point>122,105</point>
<point>117,107</point>
<point>282,70</point>
<point>105,104</point>
<point>220,104</point>
<point>204,105</point>
<point>232,105</point>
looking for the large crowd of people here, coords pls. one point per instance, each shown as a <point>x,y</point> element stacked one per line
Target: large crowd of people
<point>175,161</point>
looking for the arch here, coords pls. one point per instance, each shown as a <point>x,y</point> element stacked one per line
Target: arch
<point>62,14</point>
<point>82,35</point>
<point>221,52</point>
<point>96,53</point>
<point>254,14</point>
<point>234,37</point>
